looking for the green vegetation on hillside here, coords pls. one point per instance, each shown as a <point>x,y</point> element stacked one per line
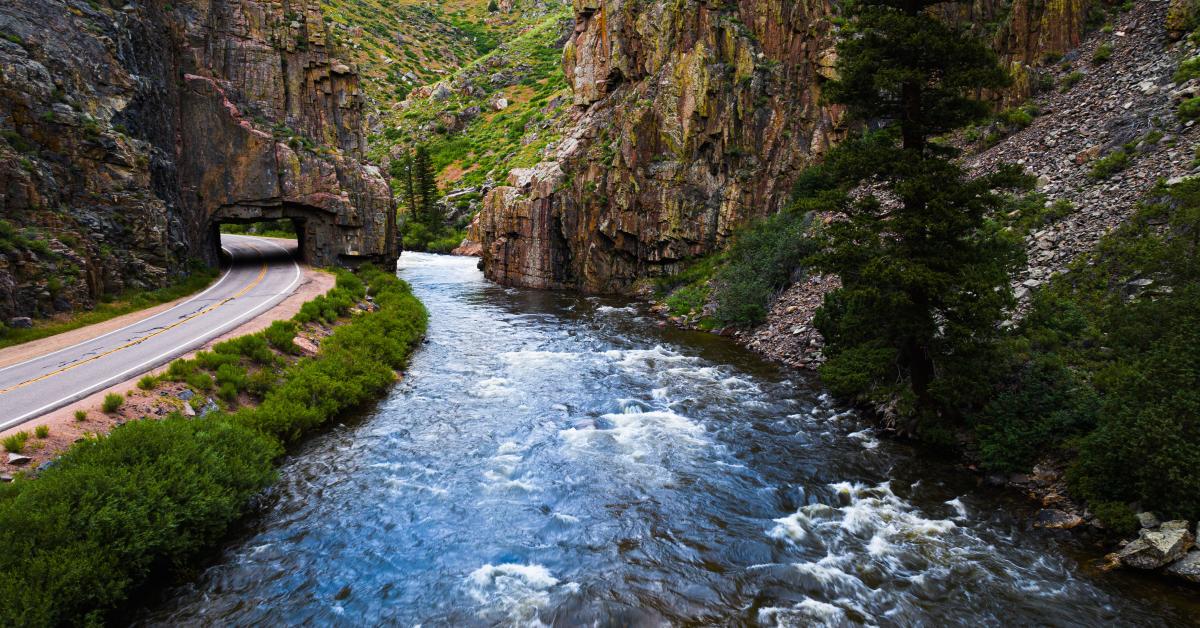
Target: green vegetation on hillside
<point>469,139</point>
<point>1104,368</point>
<point>117,513</point>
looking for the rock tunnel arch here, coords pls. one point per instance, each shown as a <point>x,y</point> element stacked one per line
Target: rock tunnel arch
<point>321,238</point>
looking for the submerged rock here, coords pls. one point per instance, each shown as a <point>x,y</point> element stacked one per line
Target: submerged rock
<point>1055,519</point>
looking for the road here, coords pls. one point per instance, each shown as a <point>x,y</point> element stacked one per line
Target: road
<point>262,273</point>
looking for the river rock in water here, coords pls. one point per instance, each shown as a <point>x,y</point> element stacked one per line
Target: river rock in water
<point>1057,519</point>
<point>1188,567</point>
<point>1157,548</point>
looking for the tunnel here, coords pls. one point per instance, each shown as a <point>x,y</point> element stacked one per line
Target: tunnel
<point>321,238</point>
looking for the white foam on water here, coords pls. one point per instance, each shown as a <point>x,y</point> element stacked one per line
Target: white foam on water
<point>538,360</point>
<point>493,387</point>
<point>793,527</point>
<point>517,591</point>
<point>608,309</point>
<point>639,436</point>
<point>809,612</point>
<point>503,465</point>
<point>959,507</point>
<point>399,484</point>
<point>565,518</point>
<point>867,438</point>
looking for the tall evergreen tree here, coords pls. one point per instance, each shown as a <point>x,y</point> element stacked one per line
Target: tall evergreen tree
<point>402,171</point>
<point>426,191</point>
<point>925,278</point>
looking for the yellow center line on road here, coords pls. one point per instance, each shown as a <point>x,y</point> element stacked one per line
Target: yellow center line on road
<point>257,280</point>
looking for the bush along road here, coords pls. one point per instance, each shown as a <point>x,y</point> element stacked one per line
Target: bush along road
<point>116,513</point>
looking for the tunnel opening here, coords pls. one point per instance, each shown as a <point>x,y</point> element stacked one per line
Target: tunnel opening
<point>322,237</point>
<point>278,239</point>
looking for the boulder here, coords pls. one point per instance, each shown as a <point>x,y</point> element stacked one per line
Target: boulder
<point>1148,520</point>
<point>1055,519</point>
<point>19,459</point>
<point>20,322</point>
<point>1187,567</point>
<point>1157,548</point>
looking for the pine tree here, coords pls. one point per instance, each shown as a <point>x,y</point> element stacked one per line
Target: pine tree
<point>925,277</point>
<point>426,192</point>
<point>402,171</point>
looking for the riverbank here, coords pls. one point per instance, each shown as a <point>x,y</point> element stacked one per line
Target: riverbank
<point>116,512</point>
<point>560,458</point>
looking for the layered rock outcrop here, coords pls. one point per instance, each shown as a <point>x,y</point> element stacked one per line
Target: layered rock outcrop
<point>129,130</point>
<point>691,118</point>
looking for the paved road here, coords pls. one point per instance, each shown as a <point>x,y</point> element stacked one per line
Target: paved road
<point>262,274</point>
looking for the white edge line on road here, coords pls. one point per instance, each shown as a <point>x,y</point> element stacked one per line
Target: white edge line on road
<point>224,276</point>
<point>163,357</point>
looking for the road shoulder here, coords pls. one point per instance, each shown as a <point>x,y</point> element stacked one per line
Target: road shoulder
<point>64,429</point>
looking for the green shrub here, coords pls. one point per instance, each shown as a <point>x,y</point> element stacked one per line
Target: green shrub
<point>81,415</point>
<point>180,370</point>
<point>1110,164</point>
<point>281,335</point>
<point>1042,408</point>
<point>120,511</point>
<point>41,431</point>
<point>200,380</point>
<point>1103,53</point>
<point>227,391</point>
<point>253,346</point>
<point>233,375</point>
<point>1109,367</point>
<point>1118,518</point>
<point>15,443</point>
<point>758,265</point>
<point>1187,70</point>
<point>112,401</point>
<point>1190,109</point>
<point>1071,80</point>
<point>688,299</point>
<point>212,360</point>
<point>147,382</point>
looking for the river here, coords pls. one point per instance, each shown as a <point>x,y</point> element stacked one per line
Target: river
<point>562,459</point>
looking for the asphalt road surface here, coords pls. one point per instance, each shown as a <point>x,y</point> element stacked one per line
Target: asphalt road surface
<point>263,272</point>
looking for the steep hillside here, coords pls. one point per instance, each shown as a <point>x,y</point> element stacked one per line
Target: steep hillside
<point>401,45</point>
<point>1104,135</point>
<point>128,130</point>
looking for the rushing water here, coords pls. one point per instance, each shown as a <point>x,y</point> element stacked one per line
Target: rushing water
<point>561,459</point>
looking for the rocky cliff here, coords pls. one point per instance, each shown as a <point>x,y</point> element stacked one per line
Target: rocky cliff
<point>129,130</point>
<point>693,117</point>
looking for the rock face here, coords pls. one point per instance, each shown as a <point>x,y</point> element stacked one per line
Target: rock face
<point>691,117</point>
<point>129,130</point>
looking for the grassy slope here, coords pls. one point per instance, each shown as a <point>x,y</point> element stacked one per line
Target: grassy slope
<point>492,143</point>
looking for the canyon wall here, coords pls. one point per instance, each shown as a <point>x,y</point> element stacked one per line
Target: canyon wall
<point>129,130</point>
<point>693,117</point>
